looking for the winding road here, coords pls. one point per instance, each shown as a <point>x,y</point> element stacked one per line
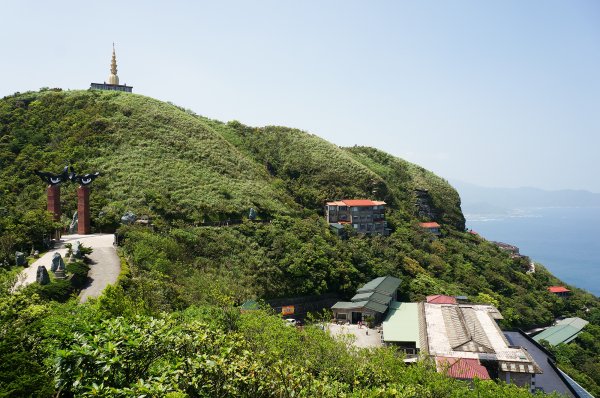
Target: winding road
<point>105,265</point>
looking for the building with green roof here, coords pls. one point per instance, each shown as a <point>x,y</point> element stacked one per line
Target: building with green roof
<point>371,300</point>
<point>401,327</point>
<point>387,285</point>
<point>564,331</point>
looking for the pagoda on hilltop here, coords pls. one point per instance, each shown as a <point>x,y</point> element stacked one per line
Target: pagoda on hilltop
<point>113,78</point>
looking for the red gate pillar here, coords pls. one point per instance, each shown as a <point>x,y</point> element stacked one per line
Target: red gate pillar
<point>83,210</point>
<point>53,192</point>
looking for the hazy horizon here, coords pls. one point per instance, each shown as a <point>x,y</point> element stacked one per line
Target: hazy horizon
<point>493,94</point>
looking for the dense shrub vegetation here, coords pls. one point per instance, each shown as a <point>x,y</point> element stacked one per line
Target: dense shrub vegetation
<point>170,327</point>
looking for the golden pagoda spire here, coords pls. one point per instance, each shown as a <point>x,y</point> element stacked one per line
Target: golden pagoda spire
<point>113,78</point>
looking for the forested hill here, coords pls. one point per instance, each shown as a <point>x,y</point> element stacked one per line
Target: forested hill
<point>184,171</point>
<point>161,160</point>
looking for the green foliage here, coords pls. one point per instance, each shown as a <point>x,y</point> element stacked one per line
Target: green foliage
<point>170,327</point>
<point>79,271</point>
<point>57,290</point>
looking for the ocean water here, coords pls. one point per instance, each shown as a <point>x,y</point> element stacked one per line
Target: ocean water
<point>566,240</point>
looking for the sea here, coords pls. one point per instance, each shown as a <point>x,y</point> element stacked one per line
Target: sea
<point>566,240</point>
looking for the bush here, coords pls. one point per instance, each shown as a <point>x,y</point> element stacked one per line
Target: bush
<point>79,270</point>
<point>59,290</point>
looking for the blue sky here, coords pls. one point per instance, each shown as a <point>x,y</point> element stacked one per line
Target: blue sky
<point>493,93</point>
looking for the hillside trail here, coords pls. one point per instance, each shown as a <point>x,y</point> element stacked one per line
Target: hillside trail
<point>105,264</point>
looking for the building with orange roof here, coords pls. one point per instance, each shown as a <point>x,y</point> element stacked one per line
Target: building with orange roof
<point>364,215</point>
<point>432,227</point>
<point>560,291</point>
<point>462,368</point>
<point>441,299</point>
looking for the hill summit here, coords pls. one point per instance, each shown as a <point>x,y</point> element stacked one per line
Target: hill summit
<point>162,160</point>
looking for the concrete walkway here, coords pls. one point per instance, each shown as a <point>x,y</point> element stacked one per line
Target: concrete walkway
<point>104,268</point>
<point>364,337</point>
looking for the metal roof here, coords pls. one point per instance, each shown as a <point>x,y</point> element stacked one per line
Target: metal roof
<point>474,333</point>
<point>346,305</point>
<point>462,368</point>
<point>581,392</point>
<point>384,285</point>
<point>441,299</point>
<point>402,323</point>
<point>564,331</point>
<point>368,304</point>
<point>377,297</point>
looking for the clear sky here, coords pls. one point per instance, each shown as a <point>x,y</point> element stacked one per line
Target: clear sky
<point>503,93</point>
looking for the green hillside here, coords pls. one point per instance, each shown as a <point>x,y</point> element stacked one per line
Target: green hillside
<point>181,170</point>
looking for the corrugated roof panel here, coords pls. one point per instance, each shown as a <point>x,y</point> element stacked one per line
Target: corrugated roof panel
<point>563,332</point>
<point>377,297</point>
<point>462,368</point>
<point>375,306</point>
<point>441,299</point>
<point>384,285</point>
<point>346,305</point>
<point>402,323</point>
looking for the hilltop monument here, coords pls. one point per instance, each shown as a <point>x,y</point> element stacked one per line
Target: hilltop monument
<point>113,78</point>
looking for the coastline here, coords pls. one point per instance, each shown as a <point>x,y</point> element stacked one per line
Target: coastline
<point>562,239</point>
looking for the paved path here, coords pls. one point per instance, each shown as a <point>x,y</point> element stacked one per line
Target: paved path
<point>364,336</point>
<point>104,268</point>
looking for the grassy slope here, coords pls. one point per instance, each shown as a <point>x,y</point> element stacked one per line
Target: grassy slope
<point>154,157</point>
<point>404,177</point>
<point>159,159</point>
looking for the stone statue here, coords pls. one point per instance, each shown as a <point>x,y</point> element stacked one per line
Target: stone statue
<point>128,218</point>
<point>252,214</point>
<point>42,276</point>
<point>20,259</point>
<point>82,180</point>
<point>77,250</point>
<point>74,223</point>
<point>57,263</point>
<point>53,179</point>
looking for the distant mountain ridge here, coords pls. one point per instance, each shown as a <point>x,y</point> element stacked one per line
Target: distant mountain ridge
<point>478,199</point>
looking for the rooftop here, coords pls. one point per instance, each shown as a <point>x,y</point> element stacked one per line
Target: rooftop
<point>377,297</point>
<point>558,289</point>
<point>429,225</point>
<point>369,304</point>
<point>356,202</point>
<point>462,368</point>
<point>384,284</point>
<point>470,331</point>
<point>402,323</point>
<point>549,380</point>
<point>441,299</point>
<point>564,331</point>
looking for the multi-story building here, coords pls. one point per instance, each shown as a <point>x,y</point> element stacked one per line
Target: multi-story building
<point>365,216</point>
